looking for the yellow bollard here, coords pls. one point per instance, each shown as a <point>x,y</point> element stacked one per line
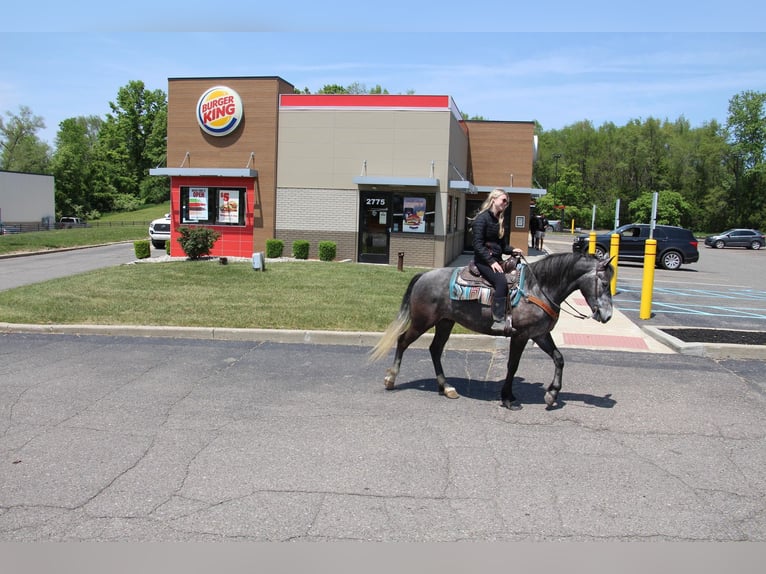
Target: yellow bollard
<point>647,285</point>
<point>592,243</point>
<point>614,252</point>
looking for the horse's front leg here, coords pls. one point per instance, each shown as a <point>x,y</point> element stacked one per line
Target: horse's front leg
<point>546,344</point>
<point>441,334</point>
<point>517,346</point>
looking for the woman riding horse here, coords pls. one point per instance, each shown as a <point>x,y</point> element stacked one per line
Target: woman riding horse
<point>489,246</point>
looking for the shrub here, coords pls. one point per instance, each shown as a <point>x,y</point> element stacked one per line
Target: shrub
<point>142,249</point>
<point>274,248</point>
<point>167,247</point>
<point>327,250</point>
<point>301,249</point>
<point>197,241</point>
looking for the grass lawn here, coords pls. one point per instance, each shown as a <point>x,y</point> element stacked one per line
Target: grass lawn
<point>288,295</point>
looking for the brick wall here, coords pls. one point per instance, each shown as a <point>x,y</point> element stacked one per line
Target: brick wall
<point>345,242</point>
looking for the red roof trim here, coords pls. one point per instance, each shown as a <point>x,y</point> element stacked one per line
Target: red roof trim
<point>363,101</point>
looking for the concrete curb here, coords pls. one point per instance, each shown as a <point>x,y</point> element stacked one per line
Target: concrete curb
<point>709,350</point>
<point>461,342</point>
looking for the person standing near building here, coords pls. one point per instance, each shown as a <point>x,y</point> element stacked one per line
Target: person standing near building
<point>542,226</point>
<point>489,246</point>
<point>534,225</point>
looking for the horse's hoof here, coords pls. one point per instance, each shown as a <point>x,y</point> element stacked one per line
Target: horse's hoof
<point>511,405</point>
<point>550,399</point>
<point>450,393</point>
<point>390,385</point>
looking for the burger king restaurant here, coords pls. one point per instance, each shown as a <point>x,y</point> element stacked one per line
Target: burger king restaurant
<point>384,177</point>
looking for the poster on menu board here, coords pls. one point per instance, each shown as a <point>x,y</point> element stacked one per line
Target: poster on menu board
<point>414,215</point>
<point>228,206</point>
<point>198,203</point>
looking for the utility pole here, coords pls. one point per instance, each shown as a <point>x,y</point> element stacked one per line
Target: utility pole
<point>556,157</point>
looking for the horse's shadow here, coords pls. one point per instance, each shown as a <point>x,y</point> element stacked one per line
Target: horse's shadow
<point>525,393</point>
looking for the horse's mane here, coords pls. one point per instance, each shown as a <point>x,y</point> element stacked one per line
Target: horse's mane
<point>558,268</point>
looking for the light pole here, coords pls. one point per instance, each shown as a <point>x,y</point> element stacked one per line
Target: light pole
<point>556,157</point>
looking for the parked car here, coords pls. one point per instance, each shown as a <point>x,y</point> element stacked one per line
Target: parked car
<point>70,222</point>
<point>553,225</point>
<point>7,229</point>
<point>159,231</point>
<point>675,245</point>
<point>749,238</point>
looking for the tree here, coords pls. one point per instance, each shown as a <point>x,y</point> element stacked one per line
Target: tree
<point>132,138</point>
<point>747,127</point>
<point>672,208</point>
<point>73,166</point>
<point>20,148</point>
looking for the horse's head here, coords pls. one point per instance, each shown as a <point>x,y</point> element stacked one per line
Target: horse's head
<point>596,289</point>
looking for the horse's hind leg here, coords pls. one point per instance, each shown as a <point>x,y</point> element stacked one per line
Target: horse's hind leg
<point>441,334</point>
<point>405,340</point>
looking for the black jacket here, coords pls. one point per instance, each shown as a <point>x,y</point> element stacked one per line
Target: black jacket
<point>487,246</point>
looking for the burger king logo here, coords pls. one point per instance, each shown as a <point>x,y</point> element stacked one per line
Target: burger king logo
<point>219,111</point>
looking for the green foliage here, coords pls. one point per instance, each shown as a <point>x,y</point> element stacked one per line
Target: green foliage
<point>142,248</point>
<point>719,171</point>
<point>274,248</point>
<point>197,242</point>
<point>154,189</point>
<point>672,209</point>
<point>104,164</point>
<point>327,250</point>
<point>20,148</point>
<point>125,202</point>
<point>301,249</point>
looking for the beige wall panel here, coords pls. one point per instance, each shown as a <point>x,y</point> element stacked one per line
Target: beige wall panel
<point>305,135</point>
<point>390,141</point>
<point>368,119</point>
<point>318,209</point>
<point>299,119</point>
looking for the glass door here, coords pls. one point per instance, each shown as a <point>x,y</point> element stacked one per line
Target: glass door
<point>374,227</point>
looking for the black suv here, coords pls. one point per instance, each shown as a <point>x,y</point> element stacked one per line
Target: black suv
<point>675,245</point>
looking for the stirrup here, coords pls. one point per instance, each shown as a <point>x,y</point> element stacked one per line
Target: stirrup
<point>503,328</point>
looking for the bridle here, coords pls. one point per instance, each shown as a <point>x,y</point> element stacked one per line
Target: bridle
<point>550,310</point>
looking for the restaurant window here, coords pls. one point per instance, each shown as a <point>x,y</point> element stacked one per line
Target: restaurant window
<point>413,213</point>
<point>213,205</point>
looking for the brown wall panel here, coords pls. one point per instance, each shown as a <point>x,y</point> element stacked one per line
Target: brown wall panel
<point>499,149</point>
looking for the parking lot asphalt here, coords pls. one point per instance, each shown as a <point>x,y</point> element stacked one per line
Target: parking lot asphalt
<point>241,435</point>
<point>114,438</point>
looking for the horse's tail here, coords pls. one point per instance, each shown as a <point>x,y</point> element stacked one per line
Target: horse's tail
<point>397,326</point>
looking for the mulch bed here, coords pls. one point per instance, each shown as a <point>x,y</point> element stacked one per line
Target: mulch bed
<point>718,336</point>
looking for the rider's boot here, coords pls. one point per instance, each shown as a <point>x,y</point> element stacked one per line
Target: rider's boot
<point>502,323</point>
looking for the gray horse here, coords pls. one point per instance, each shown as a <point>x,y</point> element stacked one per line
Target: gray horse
<point>548,282</point>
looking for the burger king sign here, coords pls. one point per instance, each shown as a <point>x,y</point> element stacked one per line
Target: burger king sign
<point>219,111</point>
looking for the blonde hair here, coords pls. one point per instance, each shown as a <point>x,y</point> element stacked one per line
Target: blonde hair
<point>493,195</point>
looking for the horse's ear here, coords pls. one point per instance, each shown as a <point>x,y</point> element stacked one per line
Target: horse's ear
<point>604,263</point>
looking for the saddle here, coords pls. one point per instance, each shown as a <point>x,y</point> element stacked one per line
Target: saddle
<point>470,276</point>
<point>467,284</point>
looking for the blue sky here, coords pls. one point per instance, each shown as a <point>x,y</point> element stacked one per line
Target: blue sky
<point>556,78</point>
